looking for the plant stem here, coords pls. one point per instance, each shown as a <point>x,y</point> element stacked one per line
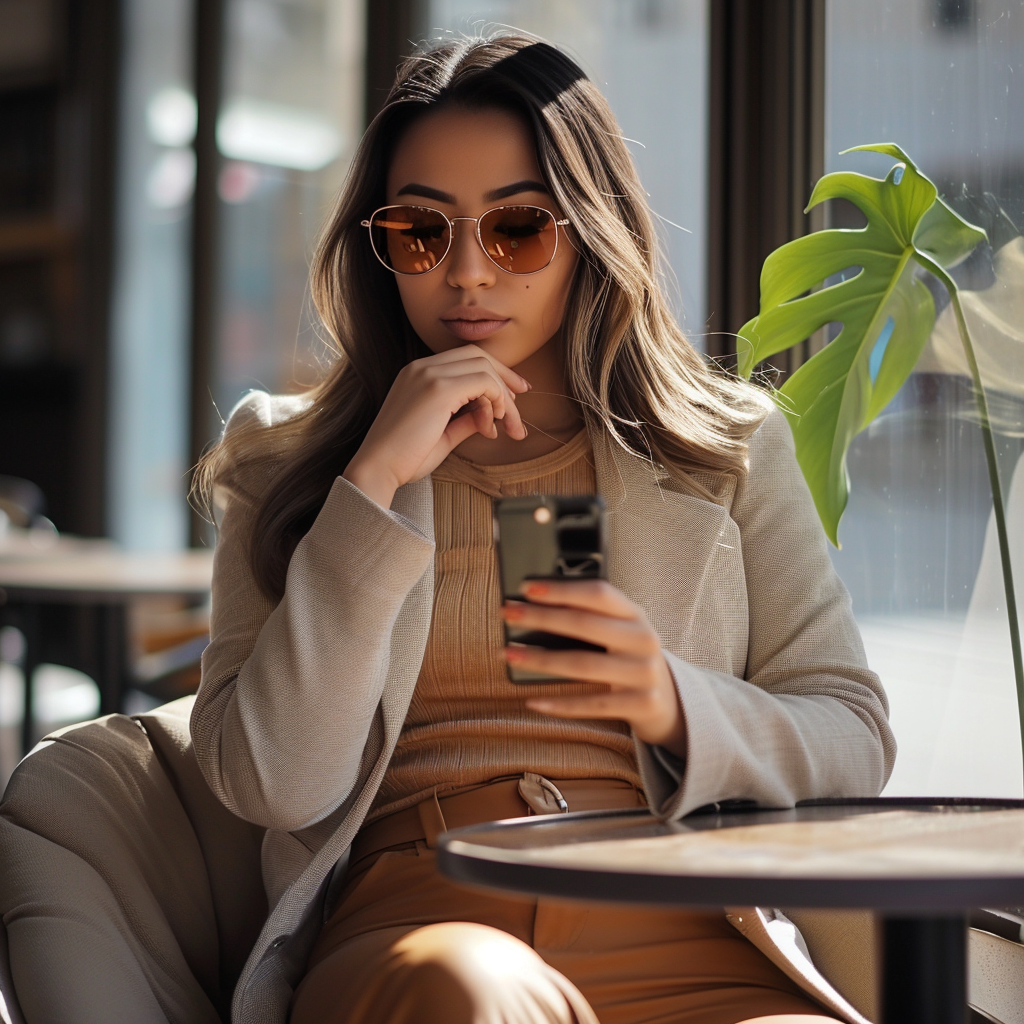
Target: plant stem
<point>993,476</point>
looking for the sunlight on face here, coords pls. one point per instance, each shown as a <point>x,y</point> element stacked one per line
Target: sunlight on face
<point>463,163</point>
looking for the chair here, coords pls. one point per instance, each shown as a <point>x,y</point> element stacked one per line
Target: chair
<point>167,638</point>
<point>109,828</point>
<point>23,503</point>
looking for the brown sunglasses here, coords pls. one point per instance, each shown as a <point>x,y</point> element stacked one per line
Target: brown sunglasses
<point>414,239</point>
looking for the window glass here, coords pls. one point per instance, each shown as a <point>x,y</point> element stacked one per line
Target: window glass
<point>290,119</point>
<point>649,58</point>
<point>945,80</point>
<point>148,444</point>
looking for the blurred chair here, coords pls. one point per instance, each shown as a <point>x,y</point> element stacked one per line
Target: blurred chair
<point>167,638</point>
<point>162,644</point>
<point>23,503</point>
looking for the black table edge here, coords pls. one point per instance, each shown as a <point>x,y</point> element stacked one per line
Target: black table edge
<point>488,866</point>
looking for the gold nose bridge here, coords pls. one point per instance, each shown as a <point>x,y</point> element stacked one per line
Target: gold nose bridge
<point>476,234</point>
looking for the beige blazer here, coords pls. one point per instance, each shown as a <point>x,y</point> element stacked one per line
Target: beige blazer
<point>301,703</point>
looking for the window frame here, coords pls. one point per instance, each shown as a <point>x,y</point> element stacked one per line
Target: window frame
<point>765,152</point>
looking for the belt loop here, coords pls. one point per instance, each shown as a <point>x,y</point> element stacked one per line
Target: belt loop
<point>431,819</point>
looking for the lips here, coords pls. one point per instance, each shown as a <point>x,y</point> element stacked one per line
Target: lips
<point>472,323</point>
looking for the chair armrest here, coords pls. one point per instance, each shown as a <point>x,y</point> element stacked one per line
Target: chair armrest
<point>101,860</point>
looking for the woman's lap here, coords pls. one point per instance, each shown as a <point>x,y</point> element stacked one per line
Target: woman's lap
<point>402,935</point>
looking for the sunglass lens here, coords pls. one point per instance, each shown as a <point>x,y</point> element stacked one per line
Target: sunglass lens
<point>520,239</point>
<point>409,239</point>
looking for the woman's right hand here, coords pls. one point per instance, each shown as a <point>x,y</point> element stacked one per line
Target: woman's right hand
<point>417,425</point>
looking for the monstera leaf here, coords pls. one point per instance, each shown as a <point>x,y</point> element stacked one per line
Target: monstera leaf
<point>886,312</point>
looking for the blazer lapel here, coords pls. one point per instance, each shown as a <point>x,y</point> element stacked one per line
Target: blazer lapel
<point>676,555</point>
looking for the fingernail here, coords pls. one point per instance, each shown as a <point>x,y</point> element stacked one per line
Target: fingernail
<point>534,589</point>
<point>514,655</point>
<point>512,611</point>
<point>536,704</point>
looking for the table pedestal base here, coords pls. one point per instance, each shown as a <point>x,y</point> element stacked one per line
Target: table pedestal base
<point>925,970</point>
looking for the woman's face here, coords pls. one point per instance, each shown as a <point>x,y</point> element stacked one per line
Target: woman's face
<point>463,163</point>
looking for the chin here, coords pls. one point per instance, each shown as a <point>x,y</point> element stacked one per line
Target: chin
<point>511,351</point>
<point>508,350</point>
<point>505,350</point>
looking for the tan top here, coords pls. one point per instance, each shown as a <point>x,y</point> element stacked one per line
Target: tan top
<point>467,723</point>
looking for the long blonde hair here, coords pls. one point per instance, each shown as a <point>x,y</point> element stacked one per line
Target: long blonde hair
<point>628,363</point>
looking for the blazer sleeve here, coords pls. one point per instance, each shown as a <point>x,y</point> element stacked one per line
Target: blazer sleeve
<point>809,719</point>
<point>289,691</point>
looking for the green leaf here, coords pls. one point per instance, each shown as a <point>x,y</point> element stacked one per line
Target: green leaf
<point>945,236</point>
<point>885,310</point>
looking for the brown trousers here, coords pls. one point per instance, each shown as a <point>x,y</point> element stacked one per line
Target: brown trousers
<point>406,945</point>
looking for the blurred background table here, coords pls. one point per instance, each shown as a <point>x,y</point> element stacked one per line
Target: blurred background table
<point>921,863</point>
<point>39,573</point>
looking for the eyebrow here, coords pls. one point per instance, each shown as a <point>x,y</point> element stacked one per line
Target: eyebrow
<point>526,185</point>
<point>414,189</point>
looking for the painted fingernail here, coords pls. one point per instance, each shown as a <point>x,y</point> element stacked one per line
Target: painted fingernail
<point>514,655</point>
<point>534,589</point>
<point>513,611</point>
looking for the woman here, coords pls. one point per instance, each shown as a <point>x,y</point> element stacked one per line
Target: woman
<point>490,277</point>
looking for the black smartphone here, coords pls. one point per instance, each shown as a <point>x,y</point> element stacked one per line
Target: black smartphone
<point>540,537</point>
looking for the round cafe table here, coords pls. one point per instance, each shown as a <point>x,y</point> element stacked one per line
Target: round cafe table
<point>920,863</point>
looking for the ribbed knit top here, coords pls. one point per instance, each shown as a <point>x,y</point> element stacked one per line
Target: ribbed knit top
<point>467,723</point>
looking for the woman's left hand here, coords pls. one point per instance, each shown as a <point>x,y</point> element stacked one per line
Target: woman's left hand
<point>639,686</point>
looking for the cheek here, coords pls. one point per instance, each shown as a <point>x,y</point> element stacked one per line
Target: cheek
<point>405,293</point>
<point>414,296</point>
<point>555,297</point>
<point>422,305</point>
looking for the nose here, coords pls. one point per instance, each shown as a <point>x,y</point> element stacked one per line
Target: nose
<point>468,264</point>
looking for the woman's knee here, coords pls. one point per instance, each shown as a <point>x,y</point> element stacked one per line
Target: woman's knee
<point>791,1018</point>
<point>466,950</point>
<point>453,972</point>
<point>479,974</point>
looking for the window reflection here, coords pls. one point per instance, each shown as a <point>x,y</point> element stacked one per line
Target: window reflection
<point>148,439</point>
<point>289,121</point>
<point>945,80</point>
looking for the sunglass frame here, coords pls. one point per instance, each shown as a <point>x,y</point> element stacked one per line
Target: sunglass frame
<point>368,224</point>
